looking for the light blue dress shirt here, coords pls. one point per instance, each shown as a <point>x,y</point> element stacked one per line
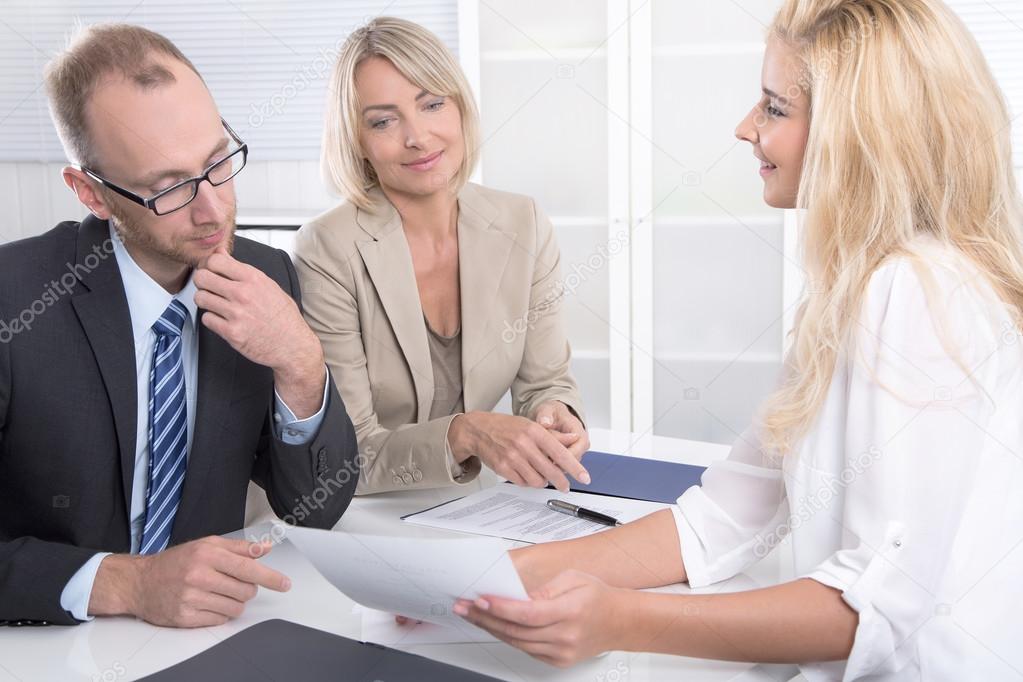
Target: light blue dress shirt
<point>147,301</point>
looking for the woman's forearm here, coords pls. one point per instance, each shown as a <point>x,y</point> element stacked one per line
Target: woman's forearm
<point>644,553</point>
<point>796,622</point>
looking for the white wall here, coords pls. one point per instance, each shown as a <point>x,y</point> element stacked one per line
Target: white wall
<point>718,248</point>
<point>544,137</point>
<point>706,347</point>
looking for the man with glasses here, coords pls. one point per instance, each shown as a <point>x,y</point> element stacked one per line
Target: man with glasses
<point>151,364</point>
<point>231,158</point>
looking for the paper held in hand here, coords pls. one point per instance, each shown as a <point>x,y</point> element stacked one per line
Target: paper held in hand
<point>418,578</point>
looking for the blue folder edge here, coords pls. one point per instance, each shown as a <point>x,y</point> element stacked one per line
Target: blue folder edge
<point>637,478</point>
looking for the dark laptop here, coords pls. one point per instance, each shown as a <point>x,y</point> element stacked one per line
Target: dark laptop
<point>280,651</point>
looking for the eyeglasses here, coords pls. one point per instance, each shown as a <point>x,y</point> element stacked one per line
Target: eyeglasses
<point>183,193</point>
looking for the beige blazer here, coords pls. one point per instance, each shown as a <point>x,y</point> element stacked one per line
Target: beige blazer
<point>361,298</point>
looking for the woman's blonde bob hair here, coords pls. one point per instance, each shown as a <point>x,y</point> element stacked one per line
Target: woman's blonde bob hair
<point>419,56</point>
<point>909,135</point>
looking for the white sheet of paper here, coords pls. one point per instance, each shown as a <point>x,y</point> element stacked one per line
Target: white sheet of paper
<point>517,513</point>
<point>379,627</point>
<point>418,578</point>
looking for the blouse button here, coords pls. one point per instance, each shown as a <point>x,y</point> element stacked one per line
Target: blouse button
<point>897,543</point>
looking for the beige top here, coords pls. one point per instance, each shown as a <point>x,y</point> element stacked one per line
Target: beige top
<point>446,358</point>
<point>360,296</point>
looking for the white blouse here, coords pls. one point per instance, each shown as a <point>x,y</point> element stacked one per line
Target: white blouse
<point>906,494</point>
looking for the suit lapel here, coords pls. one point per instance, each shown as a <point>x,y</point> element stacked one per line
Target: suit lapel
<point>102,310</point>
<point>389,264</point>
<point>483,253</point>
<point>215,372</point>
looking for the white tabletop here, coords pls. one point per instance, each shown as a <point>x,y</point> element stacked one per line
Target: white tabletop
<point>115,649</point>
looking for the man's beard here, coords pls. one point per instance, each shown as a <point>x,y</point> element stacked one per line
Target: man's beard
<point>131,233</point>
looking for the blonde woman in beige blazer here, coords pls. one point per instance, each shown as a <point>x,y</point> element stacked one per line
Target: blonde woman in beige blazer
<point>433,296</point>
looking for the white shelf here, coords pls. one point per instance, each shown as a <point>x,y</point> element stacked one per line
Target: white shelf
<point>573,55</point>
<point>709,50</point>
<point>270,218</point>
<point>748,357</point>
<point>719,221</point>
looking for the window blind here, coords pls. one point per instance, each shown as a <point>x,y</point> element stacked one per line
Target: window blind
<point>267,62</point>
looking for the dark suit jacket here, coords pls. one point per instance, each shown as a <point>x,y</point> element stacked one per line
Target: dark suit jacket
<point>68,412</point>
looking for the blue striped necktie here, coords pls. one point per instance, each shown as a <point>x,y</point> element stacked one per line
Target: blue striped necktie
<point>168,430</point>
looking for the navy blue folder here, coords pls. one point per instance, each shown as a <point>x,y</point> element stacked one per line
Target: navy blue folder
<point>637,478</point>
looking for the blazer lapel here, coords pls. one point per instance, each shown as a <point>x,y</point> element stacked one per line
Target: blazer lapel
<point>102,310</point>
<point>389,264</point>
<point>215,377</point>
<point>483,253</point>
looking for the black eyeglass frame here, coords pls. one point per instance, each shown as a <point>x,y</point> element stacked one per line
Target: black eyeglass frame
<point>150,202</point>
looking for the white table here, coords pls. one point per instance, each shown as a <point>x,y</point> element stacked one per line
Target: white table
<point>115,649</point>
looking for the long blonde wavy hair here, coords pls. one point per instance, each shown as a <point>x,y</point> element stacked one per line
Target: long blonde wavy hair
<point>909,135</point>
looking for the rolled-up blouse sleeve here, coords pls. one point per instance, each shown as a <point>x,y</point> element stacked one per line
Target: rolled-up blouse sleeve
<point>917,399</point>
<point>734,518</point>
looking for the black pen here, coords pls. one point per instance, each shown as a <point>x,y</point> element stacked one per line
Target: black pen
<point>579,512</point>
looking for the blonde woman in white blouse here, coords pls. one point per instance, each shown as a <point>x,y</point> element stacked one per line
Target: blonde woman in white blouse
<point>891,453</point>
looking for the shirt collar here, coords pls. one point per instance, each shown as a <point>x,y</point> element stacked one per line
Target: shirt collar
<point>147,300</point>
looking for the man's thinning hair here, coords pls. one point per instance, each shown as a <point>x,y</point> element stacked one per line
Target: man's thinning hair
<point>93,53</point>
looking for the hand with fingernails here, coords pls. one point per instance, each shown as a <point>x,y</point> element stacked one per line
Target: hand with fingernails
<point>250,311</point>
<point>555,416</point>
<point>524,451</point>
<point>557,625</point>
<point>196,584</point>
<point>561,426</point>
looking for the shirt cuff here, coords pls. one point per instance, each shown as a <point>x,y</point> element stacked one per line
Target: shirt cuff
<point>460,472</point>
<point>294,431</point>
<point>456,469</point>
<point>873,585</point>
<point>692,550</point>
<point>75,597</point>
